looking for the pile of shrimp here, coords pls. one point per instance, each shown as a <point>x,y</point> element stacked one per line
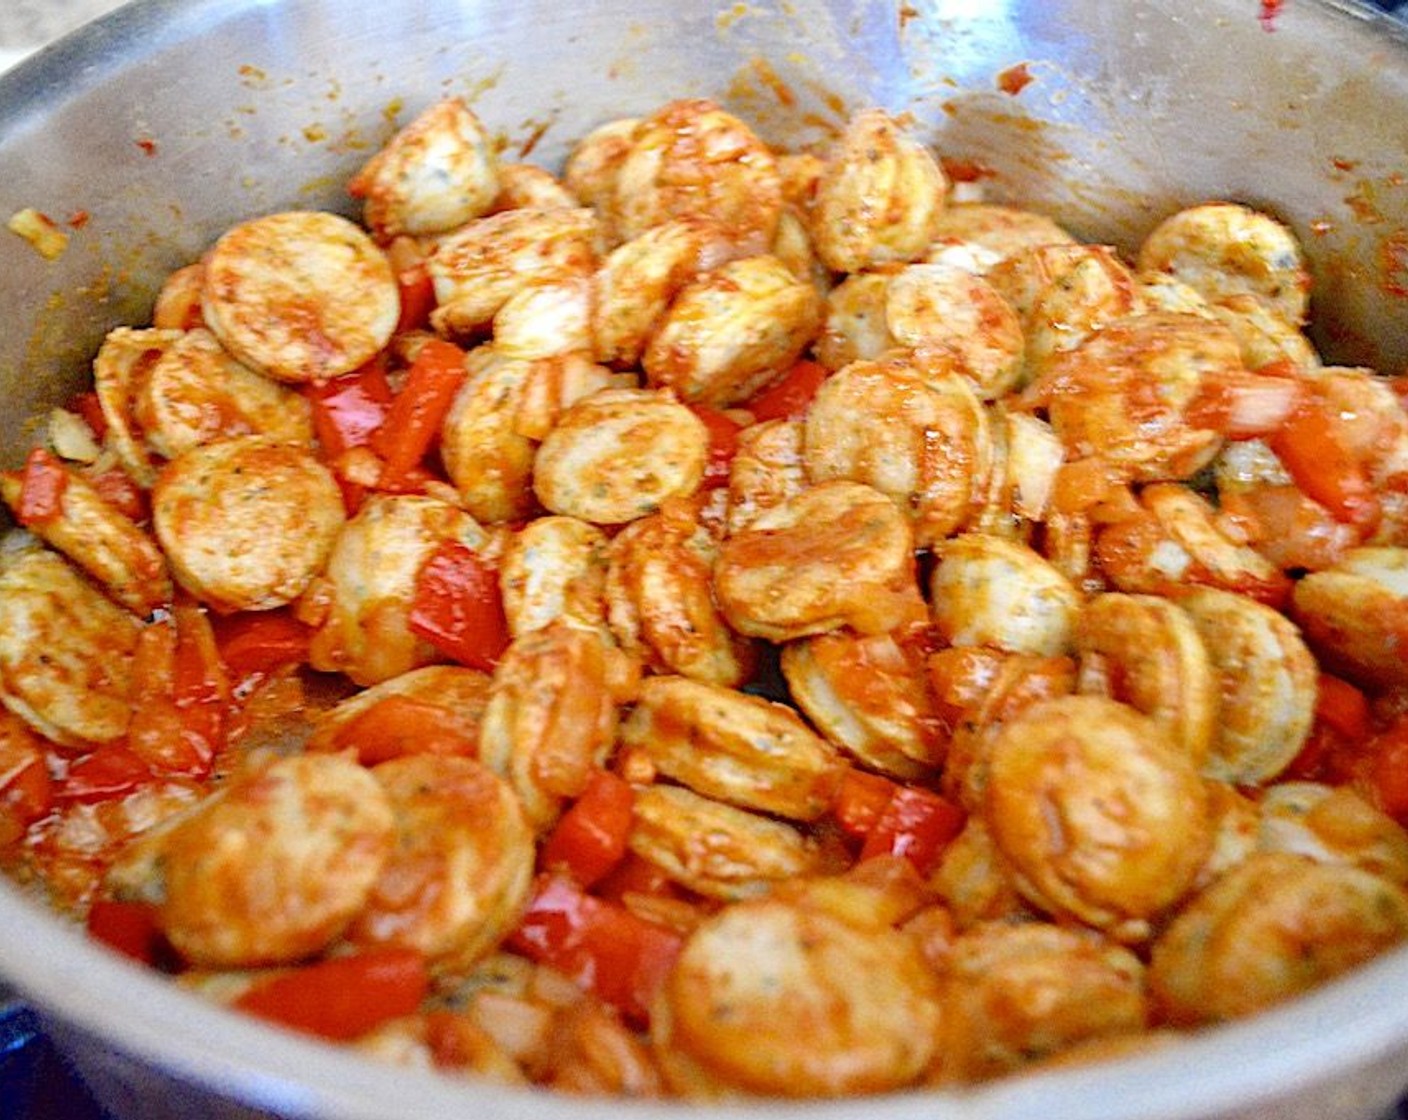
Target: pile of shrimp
<point>1040,541</point>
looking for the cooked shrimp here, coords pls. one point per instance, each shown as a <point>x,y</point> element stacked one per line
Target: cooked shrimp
<point>1236,822</point>
<point>1266,677</point>
<point>274,867</point>
<point>784,999</point>
<point>1355,615</point>
<point>765,470</point>
<point>1145,652</point>
<point>691,158</point>
<point>437,173</point>
<point>545,320</point>
<point>838,554</point>
<point>246,523</point>
<point>102,541</point>
<point>65,651</point>
<point>792,245</point>
<point>978,689</point>
<point>1273,927</point>
<point>853,326</point>
<point>442,1041</point>
<point>523,186</point>
<point>994,592</point>
<point>737,748</point>
<point>477,267</point>
<point>1064,293</point>
<point>879,197</point>
<point>1178,541</point>
<point>553,713</point>
<point>195,393</point>
<point>457,695</point>
<point>1014,994</point>
<point>1100,817</point>
<point>1223,249</point>
<point>461,865</point>
<point>1123,393</point>
<point>300,296</point>
<point>715,849</point>
<point>620,454</point>
<point>554,568</point>
<point>1265,337</point>
<point>955,320</point>
<point>177,304</point>
<point>486,447</point>
<point>1333,825</point>
<point>592,1053</point>
<point>660,597</point>
<point>731,331</point>
<point>552,385</point>
<point>925,442</point>
<point>870,697</point>
<point>1001,230</point>
<point>361,604</point>
<point>121,368</point>
<point>972,882</point>
<point>595,161</point>
<point>637,281</point>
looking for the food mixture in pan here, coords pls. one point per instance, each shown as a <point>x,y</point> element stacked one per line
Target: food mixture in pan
<point>717,621</point>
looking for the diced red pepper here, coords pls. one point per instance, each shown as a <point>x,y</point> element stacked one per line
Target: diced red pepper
<point>132,928</point>
<point>602,947</point>
<point>1342,706</point>
<point>1389,772</point>
<point>116,487</point>
<point>788,398</point>
<point>413,280</point>
<point>26,790</point>
<point>1312,452</point>
<point>43,481</point>
<point>590,838</point>
<point>108,773</point>
<point>345,997</point>
<point>90,409</point>
<point>401,725</point>
<point>916,824</point>
<point>457,607</point>
<point>347,410</point>
<point>254,643</point>
<point>723,443</point>
<point>413,421</point>
<point>860,801</point>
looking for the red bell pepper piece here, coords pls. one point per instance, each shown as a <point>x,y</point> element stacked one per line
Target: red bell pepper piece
<point>413,422</point>
<point>723,443</point>
<point>414,283</point>
<point>860,800</point>
<point>590,838</point>
<point>399,726</point>
<point>132,928</point>
<point>254,643</point>
<point>917,824</point>
<point>43,481</point>
<point>1343,707</point>
<point>457,607</point>
<point>108,773</point>
<point>345,997</point>
<point>603,948</point>
<point>88,406</point>
<point>1389,772</point>
<point>347,410</point>
<point>1323,468</point>
<point>788,398</point>
<point>26,790</point>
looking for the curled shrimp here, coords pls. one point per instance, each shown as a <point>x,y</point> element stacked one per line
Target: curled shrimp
<point>437,173</point>
<point>769,997</point>
<point>879,196</point>
<point>1099,816</point>
<point>1272,927</point>
<point>1355,615</point>
<point>553,713</point>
